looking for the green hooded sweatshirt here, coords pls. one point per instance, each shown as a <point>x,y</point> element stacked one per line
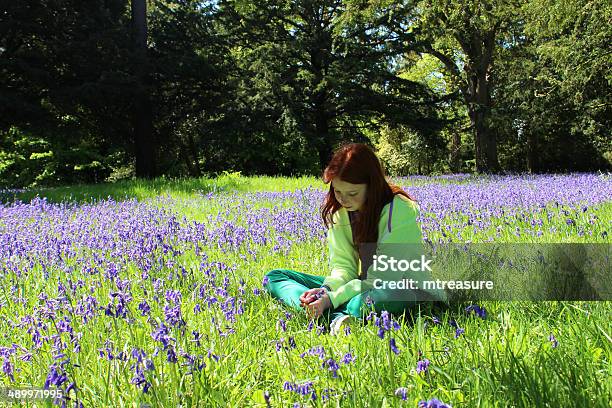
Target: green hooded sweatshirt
<point>397,225</point>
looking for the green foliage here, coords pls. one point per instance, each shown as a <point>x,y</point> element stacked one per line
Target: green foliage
<point>323,70</point>
<point>272,86</point>
<point>553,101</point>
<point>28,161</point>
<point>405,152</point>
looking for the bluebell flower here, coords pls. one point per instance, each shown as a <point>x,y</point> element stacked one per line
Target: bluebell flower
<point>318,351</point>
<point>140,381</point>
<point>459,331</point>
<point>292,342</point>
<point>332,366</point>
<point>71,386</point>
<point>347,358</point>
<point>402,392</point>
<point>267,398</point>
<point>553,340</point>
<point>479,311</point>
<point>304,389</point>
<point>57,376</point>
<point>171,355</point>
<point>7,368</point>
<point>422,366</point>
<point>196,337</point>
<point>393,345</point>
<point>144,308</point>
<point>433,403</point>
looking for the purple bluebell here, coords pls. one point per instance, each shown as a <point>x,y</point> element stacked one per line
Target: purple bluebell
<point>347,358</point>
<point>332,366</point>
<point>267,398</point>
<point>393,346</point>
<point>57,375</point>
<point>402,392</point>
<point>458,332</point>
<point>553,341</point>
<point>144,308</point>
<point>422,366</point>
<point>7,368</point>
<point>305,389</point>
<point>310,325</point>
<point>432,403</point>
<point>478,311</point>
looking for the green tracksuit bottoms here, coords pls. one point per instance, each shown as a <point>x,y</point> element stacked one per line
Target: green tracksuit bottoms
<point>287,286</point>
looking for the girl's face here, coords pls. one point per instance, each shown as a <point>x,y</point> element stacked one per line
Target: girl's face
<point>350,196</point>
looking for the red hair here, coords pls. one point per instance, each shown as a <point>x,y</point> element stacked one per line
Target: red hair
<point>356,163</point>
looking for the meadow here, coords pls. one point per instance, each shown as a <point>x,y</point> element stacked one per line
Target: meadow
<point>151,293</point>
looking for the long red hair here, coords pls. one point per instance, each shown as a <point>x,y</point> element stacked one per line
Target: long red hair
<point>356,163</point>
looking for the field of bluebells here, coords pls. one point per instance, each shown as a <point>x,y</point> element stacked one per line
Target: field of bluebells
<point>160,301</point>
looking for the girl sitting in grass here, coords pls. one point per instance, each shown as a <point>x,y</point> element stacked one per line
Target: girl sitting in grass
<point>361,211</point>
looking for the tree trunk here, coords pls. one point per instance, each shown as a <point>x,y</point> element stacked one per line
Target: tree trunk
<point>455,164</point>
<point>478,48</point>
<point>195,170</point>
<point>532,158</point>
<point>142,114</point>
<point>324,147</point>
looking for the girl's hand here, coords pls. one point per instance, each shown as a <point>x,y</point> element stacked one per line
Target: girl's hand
<point>310,296</point>
<point>316,308</point>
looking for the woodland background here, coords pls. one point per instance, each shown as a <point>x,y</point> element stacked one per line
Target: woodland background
<point>110,90</point>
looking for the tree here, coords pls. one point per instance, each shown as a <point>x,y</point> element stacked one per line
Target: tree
<point>142,117</point>
<point>463,35</point>
<point>333,75</point>
<point>553,96</point>
<point>476,27</point>
<point>64,96</point>
<point>194,80</point>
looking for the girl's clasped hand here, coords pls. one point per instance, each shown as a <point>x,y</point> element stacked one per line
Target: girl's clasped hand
<point>315,301</point>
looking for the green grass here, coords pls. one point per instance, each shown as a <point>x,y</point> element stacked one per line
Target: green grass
<point>505,360</point>
<point>177,188</point>
<point>142,189</point>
